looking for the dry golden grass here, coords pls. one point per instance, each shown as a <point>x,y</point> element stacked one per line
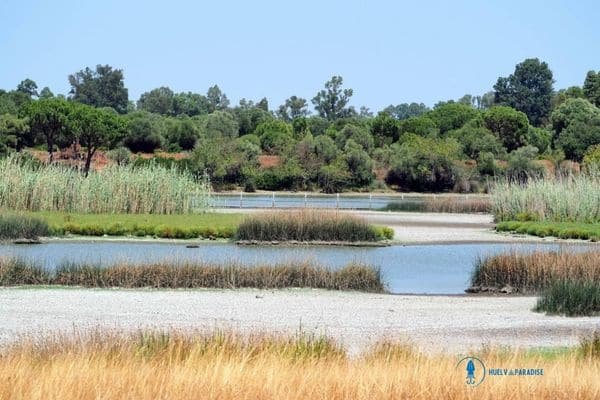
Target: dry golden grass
<point>226,366</point>
<point>536,271</point>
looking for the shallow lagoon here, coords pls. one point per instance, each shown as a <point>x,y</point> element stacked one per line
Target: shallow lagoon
<point>431,269</point>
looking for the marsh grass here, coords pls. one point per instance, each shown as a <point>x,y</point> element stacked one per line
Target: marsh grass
<point>563,230</point>
<point>225,365</point>
<point>153,189</point>
<point>310,225</point>
<point>14,226</point>
<point>533,272</point>
<point>189,275</point>
<point>443,204</point>
<point>570,198</point>
<point>571,297</point>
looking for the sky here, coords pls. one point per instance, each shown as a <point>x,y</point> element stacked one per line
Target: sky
<point>389,52</point>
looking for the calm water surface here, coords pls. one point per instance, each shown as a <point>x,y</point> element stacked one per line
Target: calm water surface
<point>433,269</point>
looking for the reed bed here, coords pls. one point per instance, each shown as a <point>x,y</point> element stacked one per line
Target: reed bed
<point>228,366</point>
<point>13,226</point>
<point>571,198</point>
<point>310,225</point>
<point>571,297</point>
<point>534,272</point>
<point>443,204</point>
<point>360,277</point>
<point>153,189</point>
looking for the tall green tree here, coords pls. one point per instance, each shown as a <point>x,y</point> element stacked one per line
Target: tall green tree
<point>292,108</point>
<point>13,133</point>
<point>576,124</point>
<point>405,110</point>
<point>159,101</point>
<point>217,100</point>
<point>94,128</point>
<point>50,119</point>
<point>331,102</point>
<point>529,89</point>
<point>102,87</point>
<point>591,87</point>
<point>509,125</point>
<point>28,87</point>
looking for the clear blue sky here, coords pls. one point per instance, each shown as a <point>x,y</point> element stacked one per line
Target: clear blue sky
<point>387,51</point>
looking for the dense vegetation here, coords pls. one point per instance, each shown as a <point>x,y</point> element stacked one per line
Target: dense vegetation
<point>309,226</point>
<point>194,275</point>
<point>454,146</point>
<point>14,226</point>
<point>571,298</point>
<point>27,185</point>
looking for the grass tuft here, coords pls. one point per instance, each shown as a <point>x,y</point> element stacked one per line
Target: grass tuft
<point>571,297</point>
<point>13,226</point>
<point>310,225</point>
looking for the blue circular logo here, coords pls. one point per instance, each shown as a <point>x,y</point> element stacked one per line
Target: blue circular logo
<point>473,370</point>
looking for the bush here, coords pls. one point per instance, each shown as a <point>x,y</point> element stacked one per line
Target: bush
<point>21,227</point>
<point>422,164</point>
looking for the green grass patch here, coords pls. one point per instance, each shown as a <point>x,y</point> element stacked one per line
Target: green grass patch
<point>176,226</point>
<point>571,298</point>
<point>563,230</point>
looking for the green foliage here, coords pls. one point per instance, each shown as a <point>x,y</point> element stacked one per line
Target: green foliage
<point>50,119</point>
<point>452,116</point>
<point>159,101</point>
<point>292,108</point>
<point>102,87</point>
<point>275,136</point>
<point>571,298</point>
<point>521,166</point>
<point>526,224</point>
<point>422,126</point>
<point>26,186</point>
<point>540,138</point>
<point>576,125</point>
<point>509,125</point>
<point>476,139</point>
<point>529,90</point>
<point>591,87</point>
<point>14,133</point>
<point>591,158</point>
<point>145,132</point>
<point>14,226</point>
<point>359,164</point>
<point>331,102</point>
<point>358,134</point>
<point>405,110</point>
<point>385,129</point>
<point>423,164</point>
<point>220,123</point>
<point>181,133</point>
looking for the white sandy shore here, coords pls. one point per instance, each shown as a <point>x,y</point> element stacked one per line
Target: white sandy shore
<point>433,323</point>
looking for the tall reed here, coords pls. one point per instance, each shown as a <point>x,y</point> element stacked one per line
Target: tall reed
<point>536,271</point>
<point>571,297</point>
<point>309,225</point>
<point>195,275</point>
<point>151,189</point>
<point>570,198</point>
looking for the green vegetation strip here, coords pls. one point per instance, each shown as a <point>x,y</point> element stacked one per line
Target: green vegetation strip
<point>15,272</point>
<point>563,230</point>
<point>14,226</point>
<point>571,298</point>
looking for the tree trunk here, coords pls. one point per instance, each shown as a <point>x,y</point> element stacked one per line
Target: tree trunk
<point>50,143</point>
<point>88,160</point>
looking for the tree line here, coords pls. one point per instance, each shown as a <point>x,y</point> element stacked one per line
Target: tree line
<point>455,145</point>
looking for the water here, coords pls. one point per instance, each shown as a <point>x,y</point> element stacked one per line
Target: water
<point>432,269</point>
<point>355,202</point>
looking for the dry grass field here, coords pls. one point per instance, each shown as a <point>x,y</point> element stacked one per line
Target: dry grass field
<point>229,366</point>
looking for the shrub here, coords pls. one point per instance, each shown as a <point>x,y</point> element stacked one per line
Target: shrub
<point>423,164</point>
<point>14,226</point>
